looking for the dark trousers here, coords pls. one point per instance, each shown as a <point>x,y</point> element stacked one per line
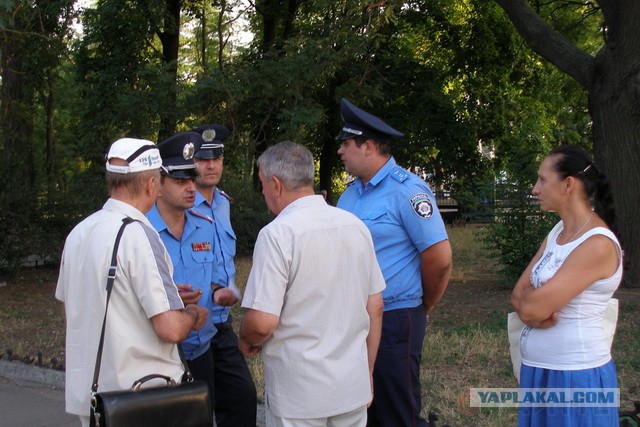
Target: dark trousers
<point>202,369</point>
<point>396,375</point>
<point>234,388</point>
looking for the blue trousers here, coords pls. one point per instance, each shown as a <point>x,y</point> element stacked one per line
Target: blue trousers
<point>396,375</point>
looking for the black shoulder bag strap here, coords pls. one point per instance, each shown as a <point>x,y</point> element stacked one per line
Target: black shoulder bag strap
<point>110,279</point>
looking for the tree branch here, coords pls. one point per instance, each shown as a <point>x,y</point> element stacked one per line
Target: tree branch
<point>547,42</point>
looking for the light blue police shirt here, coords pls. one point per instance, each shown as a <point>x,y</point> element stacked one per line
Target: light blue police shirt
<point>192,258</point>
<point>401,213</point>
<point>225,244</point>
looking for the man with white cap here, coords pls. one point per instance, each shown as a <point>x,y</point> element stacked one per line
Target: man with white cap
<point>146,315</point>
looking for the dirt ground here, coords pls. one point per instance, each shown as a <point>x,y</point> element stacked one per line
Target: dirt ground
<point>31,319</point>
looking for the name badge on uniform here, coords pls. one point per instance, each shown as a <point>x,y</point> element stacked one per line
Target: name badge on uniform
<point>201,246</point>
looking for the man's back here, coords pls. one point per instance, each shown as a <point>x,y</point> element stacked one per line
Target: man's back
<point>139,293</point>
<point>314,267</point>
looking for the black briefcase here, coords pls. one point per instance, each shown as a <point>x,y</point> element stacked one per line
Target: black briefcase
<point>185,404</point>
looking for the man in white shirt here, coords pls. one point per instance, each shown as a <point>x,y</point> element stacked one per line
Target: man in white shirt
<point>314,300</point>
<point>146,315</point>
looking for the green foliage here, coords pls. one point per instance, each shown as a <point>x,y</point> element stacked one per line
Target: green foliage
<point>32,226</point>
<point>518,230</point>
<point>18,236</point>
<point>477,107</point>
<point>32,46</point>
<point>120,72</point>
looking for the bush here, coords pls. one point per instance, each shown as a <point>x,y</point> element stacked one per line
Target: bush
<point>249,213</point>
<point>18,234</point>
<point>37,225</point>
<point>518,230</point>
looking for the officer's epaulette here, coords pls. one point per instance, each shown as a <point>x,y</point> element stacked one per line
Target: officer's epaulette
<point>225,195</point>
<point>400,175</point>
<point>200,215</point>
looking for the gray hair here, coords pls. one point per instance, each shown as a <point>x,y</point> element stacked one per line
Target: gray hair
<point>133,183</point>
<point>290,162</point>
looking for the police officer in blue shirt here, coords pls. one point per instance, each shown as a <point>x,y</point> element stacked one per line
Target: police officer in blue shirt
<point>188,237</point>
<point>412,249</point>
<point>235,390</point>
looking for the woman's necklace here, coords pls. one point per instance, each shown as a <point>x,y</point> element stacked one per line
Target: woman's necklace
<point>581,228</point>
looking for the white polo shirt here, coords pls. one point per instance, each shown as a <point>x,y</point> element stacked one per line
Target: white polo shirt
<point>142,289</point>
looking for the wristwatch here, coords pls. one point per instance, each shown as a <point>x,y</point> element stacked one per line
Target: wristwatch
<point>214,292</point>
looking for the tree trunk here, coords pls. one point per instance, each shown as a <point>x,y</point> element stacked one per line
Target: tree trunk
<point>614,105</point>
<point>220,31</point>
<point>203,42</point>
<point>612,80</point>
<point>170,39</point>
<point>17,125</point>
<point>50,135</point>
<point>328,158</point>
<point>270,11</point>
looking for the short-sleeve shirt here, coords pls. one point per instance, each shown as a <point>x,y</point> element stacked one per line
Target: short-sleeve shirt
<point>225,244</point>
<point>143,288</point>
<point>193,263</point>
<point>401,212</point>
<point>314,267</point>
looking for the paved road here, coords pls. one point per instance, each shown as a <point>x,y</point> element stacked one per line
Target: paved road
<point>25,403</point>
<point>34,397</point>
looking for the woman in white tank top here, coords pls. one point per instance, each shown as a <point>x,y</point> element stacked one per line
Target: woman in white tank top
<point>563,293</point>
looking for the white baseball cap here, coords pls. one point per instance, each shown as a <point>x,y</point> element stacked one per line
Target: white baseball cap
<point>141,154</point>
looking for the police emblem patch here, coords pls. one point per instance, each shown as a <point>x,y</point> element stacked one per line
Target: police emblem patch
<point>422,205</point>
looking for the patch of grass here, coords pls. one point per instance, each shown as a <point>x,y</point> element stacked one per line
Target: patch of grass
<point>626,347</point>
<point>454,361</point>
<point>243,267</point>
<point>472,260</point>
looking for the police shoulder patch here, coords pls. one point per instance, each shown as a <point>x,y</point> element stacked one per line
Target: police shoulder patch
<point>421,205</point>
<point>225,195</point>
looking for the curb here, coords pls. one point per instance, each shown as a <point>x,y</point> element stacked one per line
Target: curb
<point>23,372</point>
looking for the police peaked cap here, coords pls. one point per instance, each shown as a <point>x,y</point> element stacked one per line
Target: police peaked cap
<point>212,137</point>
<point>177,155</point>
<point>359,123</point>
